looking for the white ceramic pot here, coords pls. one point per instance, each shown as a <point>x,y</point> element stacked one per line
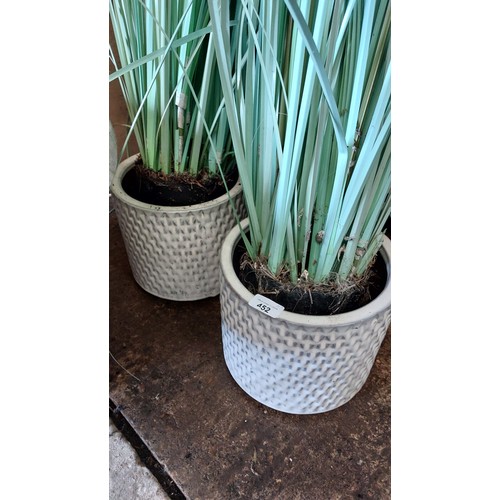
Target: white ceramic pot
<point>174,251</point>
<point>297,363</point>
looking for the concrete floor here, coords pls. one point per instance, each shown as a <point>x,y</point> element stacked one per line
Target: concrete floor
<point>202,437</point>
<point>129,478</point>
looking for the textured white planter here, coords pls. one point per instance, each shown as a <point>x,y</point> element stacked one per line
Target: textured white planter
<point>297,363</point>
<point>174,251</point>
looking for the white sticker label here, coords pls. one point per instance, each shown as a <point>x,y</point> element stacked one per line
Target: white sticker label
<point>266,306</point>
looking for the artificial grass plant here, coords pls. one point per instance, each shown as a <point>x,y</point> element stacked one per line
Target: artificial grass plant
<point>307,89</point>
<point>165,63</point>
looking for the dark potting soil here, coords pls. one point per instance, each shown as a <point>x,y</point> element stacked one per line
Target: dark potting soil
<point>175,190</point>
<point>308,300</point>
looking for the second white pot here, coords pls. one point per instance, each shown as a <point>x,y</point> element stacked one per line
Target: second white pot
<point>174,251</point>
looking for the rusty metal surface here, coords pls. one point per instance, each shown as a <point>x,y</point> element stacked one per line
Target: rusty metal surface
<point>168,377</point>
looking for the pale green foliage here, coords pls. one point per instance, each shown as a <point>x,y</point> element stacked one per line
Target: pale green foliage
<point>166,66</point>
<point>307,88</point>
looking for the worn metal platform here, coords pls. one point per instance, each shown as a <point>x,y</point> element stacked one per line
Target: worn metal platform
<point>203,437</point>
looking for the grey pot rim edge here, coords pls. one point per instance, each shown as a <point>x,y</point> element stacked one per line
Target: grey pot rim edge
<point>117,191</point>
<point>380,303</point>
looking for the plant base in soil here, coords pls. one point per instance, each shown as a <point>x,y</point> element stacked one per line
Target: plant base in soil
<point>174,190</point>
<point>306,297</point>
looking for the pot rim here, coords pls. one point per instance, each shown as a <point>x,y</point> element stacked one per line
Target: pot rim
<point>118,192</point>
<point>380,303</point>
